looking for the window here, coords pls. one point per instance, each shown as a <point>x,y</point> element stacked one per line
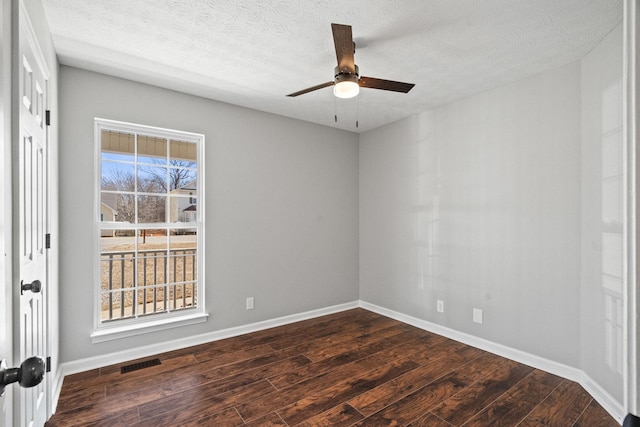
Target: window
<point>150,230</point>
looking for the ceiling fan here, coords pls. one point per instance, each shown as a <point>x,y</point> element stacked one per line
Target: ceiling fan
<point>347,80</point>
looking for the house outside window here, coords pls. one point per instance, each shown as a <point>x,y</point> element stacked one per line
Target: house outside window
<point>150,234</point>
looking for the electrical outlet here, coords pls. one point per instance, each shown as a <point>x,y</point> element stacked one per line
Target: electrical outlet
<point>250,303</point>
<point>440,306</point>
<point>477,315</point>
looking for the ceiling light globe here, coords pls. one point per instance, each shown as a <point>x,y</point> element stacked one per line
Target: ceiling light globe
<point>346,89</point>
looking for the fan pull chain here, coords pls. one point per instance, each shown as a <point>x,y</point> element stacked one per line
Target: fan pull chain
<point>335,109</point>
<point>357,111</point>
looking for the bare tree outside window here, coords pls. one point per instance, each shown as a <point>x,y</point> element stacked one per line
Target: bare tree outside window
<point>151,208</point>
<point>181,173</point>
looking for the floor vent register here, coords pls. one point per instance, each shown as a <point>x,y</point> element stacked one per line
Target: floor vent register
<point>139,365</point>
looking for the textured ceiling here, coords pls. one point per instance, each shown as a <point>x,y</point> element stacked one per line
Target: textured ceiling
<point>254,52</point>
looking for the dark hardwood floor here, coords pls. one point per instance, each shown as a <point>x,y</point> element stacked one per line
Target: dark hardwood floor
<point>351,368</point>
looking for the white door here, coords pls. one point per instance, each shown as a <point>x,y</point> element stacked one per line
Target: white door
<point>31,216</point>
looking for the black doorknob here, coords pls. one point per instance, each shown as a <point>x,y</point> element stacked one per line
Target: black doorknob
<point>29,374</point>
<point>34,286</point>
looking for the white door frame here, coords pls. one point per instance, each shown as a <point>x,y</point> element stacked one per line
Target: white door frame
<point>630,77</point>
<point>6,294</point>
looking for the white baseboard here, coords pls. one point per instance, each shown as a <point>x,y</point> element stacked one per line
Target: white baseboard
<point>546,365</point>
<point>610,404</point>
<point>95,362</point>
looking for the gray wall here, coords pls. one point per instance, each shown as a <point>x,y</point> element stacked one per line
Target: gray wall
<point>477,203</point>
<point>509,201</point>
<point>281,207</point>
<point>602,234</point>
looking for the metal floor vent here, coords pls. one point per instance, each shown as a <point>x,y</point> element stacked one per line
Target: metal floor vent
<point>139,365</point>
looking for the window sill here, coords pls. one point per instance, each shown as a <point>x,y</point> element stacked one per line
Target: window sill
<point>114,333</point>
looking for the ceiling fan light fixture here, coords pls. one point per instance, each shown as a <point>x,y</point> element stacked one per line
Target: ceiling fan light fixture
<point>346,83</point>
<point>346,89</point>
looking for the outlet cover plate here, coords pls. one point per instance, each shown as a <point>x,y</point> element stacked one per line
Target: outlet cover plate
<point>250,303</point>
<point>440,306</point>
<point>477,315</point>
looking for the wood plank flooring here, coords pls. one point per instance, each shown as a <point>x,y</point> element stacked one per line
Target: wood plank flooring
<point>354,368</point>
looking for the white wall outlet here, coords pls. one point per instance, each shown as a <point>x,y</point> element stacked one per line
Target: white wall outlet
<point>250,303</point>
<point>477,315</point>
<point>440,306</point>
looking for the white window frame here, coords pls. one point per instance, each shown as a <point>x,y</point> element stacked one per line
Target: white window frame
<point>106,331</point>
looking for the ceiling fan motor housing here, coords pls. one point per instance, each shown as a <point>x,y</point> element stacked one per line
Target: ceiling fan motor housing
<point>346,76</point>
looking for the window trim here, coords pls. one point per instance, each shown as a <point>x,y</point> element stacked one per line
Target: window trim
<point>105,331</point>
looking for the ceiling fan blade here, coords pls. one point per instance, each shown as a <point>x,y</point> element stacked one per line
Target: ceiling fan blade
<point>343,41</point>
<point>311,89</point>
<point>374,83</point>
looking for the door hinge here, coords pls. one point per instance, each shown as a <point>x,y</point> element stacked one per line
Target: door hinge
<point>48,364</point>
<point>47,117</point>
<point>47,241</point>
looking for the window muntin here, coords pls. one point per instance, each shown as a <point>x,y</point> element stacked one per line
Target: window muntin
<point>151,237</point>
